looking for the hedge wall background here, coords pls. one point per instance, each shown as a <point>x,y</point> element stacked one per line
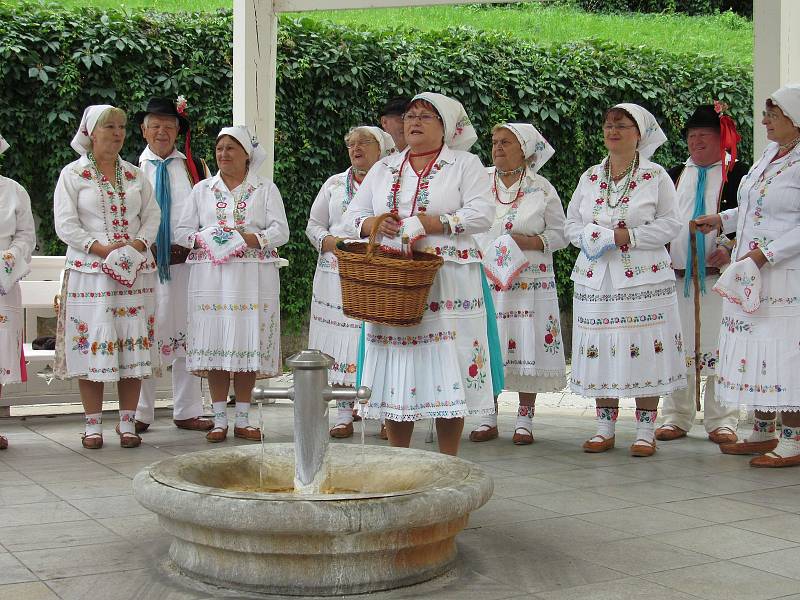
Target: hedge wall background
<point>54,62</point>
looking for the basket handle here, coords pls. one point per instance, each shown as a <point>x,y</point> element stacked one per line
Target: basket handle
<point>373,235</point>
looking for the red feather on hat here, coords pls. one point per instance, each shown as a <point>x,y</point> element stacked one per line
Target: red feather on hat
<point>728,138</point>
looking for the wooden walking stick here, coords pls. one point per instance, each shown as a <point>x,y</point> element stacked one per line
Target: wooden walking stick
<point>696,286</point>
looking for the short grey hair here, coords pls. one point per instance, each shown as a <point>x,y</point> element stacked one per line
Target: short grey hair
<point>148,115</point>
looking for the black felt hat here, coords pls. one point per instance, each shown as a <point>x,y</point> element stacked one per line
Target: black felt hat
<point>703,116</point>
<point>164,107</point>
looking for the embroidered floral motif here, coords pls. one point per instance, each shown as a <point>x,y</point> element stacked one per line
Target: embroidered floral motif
<point>708,360</point>
<point>454,252</point>
<point>239,209</point>
<point>643,385</point>
<point>173,344</point>
<point>515,314</point>
<point>736,325</point>
<point>3,318</point>
<point>453,304</point>
<point>512,346</point>
<point>634,349</point>
<point>343,367</point>
<point>82,338</point>
<point>763,367</point>
<point>615,321</point>
<point>528,286</point>
<point>8,262</point>
<point>476,372</point>
<point>502,256</point>
<point>410,340</point>
<point>679,342</point>
<point>763,425</point>
<point>592,351</point>
<point>124,311</point>
<point>623,296</point>
<point>226,307</point>
<point>109,347</point>
<point>110,294</point>
<point>749,387</point>
<point>552,341</point>
<point>646,416</point>
<point>742,366</point>
<point>607,413</point>
<point>658,346</point>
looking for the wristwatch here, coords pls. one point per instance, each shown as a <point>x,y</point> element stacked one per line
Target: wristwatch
<point>445,224</point>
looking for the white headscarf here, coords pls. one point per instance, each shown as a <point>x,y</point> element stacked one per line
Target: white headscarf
<point>385,140</point>
<point>651,134</point>
<point>82,143</point>
<point>249,142</point>
<point>3,144</point>
<point>788,100</point>
<point>459,134</point>
<point>535,148</point>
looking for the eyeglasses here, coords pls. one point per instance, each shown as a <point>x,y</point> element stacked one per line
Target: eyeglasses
<point>614,127</point>
<point>422,118</point>
<point>769,115</point>
<point>501,143</point>
<point>360,143</point>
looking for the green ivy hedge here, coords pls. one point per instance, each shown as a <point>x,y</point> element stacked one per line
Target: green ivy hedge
<point>54,62</point>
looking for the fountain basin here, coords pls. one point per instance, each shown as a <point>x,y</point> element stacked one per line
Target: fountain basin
<point>388,517</point>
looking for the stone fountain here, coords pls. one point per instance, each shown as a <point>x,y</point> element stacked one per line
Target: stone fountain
<point>308,519</point>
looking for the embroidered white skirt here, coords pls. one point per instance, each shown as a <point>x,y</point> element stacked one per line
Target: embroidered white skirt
<point>759,353</point>
<point>628,342</point>
<point>106,331</point>
<point>530,334</point>
<point>330,331</point>
<point>710,318</point>
<point>10,336</point>
<point>234,318</point>
<point>171,315</point>
<point>439,368</point>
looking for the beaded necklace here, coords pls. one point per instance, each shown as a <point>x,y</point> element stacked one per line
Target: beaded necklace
<point>350,189</point>
<point>789,145</point>
<point>516,171</point>
<point>518,195</point>
<point>628,174</point>
<point>421,176</point>
<point>112,191</point>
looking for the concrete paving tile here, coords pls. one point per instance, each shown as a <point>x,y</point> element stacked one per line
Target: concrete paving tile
<point>23,494</point>
<point>623,589</point>
<point>587,460</point>
<point>485,543</point>
<point>783,498</point>
<point>113,454</point>
<point>785,526</point>
<point>726,581</point>
<point>13,571</point>
<point>637,556</point>
<point>643,520</point>
<point>500,511</point>
<point>54,535</point>
<point>526,466</point>
<point>717,485</point>
<point>561,534</point>
<point>770,477</point>
<point>648,492</point>
<point>40,512</point>
<point>96,488</point>
<point>717,509</point>
<point>52,563</point>
<point>57,459</point>
<point>111,506</point>
<point>26,591</point>
<point>583,478</point>
<point>779,562</point>
<point>11,477</point>
<point>652,470</point>
<point>136,584</point>
<point>574,502</point>
<point>88,473</point>
<point>723,541</point>
<point>135,527</point>
<point>511,487</point>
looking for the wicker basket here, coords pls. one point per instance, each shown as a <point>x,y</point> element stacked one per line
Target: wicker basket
<point>384,288</point>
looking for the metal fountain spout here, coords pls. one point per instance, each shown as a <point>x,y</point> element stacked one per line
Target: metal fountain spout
<point>311,394</point>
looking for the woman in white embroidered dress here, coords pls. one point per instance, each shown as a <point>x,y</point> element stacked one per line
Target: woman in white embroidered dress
<point>529,210</point>
<point>17,240</point>
<point>330,330</point>
<point>234,308</point>
<point>759,352</point>
<point>440,368</point>
<point>626,337</point>
<point>103,206</point>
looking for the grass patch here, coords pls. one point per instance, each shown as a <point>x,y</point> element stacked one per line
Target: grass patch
<point>725,35</point>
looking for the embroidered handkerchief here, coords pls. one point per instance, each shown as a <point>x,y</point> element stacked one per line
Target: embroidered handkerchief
<point>220,242</point>
<point>12,270</point>
<point>410,226</point>
<point>596,240</point>
<point>740,283</point>
<point>123,265</point>
<point>504,260</point>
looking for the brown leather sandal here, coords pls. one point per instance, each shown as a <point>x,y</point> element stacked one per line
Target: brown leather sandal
<point>643,448</point>
<point>92,441</point>
<point>3,442</point>
<point>483,435</point>
<point>341,431</point>
<point>601,446</point>
<point>247,433</point>
<point>382,434</point>
<point>522,436</point>
<point>217,434</point>
<point>128,440</point>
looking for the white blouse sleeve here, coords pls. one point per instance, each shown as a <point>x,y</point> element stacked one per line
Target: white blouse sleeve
<point>24,239</point>
<point>573,228</point>
<point>785,246</point>
<point>476,214</point>
<point>665,226</point>
<point>189,220</point>
<point>360,206</point>
<point>276,233</point>
<point>150,215</point>
<point>69,228</point>
<point>729,218</point>
<point>553,237</point>
<point>318,220</point>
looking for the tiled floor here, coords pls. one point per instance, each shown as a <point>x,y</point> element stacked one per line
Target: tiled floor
<point>687,523</point>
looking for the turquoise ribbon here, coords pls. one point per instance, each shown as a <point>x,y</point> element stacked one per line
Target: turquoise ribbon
<point>699,211</point>
<point>164,199</point>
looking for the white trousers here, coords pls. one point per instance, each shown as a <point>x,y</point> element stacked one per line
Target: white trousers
<point>679,408</point>
<point>186,395</point>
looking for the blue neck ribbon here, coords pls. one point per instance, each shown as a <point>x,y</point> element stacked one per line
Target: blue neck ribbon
<point>164,199</point>
<point>699,211</point>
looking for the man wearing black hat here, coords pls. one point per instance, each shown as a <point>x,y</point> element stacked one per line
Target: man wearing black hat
<point>392,120</point>
<point>701,191</point>
<point>173,174</point>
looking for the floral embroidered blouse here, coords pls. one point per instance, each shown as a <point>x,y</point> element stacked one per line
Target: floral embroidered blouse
<point>87,208</point>
<point>17,230</point>
<point>255,206</point>
<point>327,215</point>
<point>768,216</point>
<point>649,214</point>
<point>456,187</point>
<point>538,212</point>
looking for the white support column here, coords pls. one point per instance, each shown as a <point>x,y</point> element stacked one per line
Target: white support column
<point>776,55</point>
<point>255,45</point>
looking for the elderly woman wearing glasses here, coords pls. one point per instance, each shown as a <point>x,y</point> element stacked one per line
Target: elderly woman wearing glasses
<point>439,369</point>
<point>626,337</point>
<point>17,240</point>
<point>758,343</point>
<point>330,330</point>
<point>529,211</point>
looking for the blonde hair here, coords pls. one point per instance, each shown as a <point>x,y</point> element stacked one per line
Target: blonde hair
<point>109,114</point>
